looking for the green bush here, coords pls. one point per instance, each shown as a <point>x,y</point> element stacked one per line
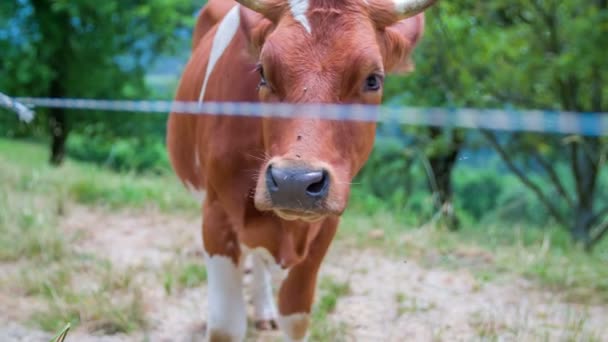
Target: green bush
<point>385,171</point>
<point>481,193</point>
<point>477,190</point>
<point>393,179</point>
<point>126,154</point>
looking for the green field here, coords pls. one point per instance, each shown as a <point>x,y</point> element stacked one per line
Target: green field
<point>64,278</point>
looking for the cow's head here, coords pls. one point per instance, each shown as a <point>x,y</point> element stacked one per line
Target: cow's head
<point>323,51</point>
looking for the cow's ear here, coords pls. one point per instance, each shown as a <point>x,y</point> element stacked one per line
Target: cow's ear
<point>256,28</point>
<point>400,40</point>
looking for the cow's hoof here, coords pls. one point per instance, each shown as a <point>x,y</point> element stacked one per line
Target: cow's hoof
<point>219,336</point>
<point>266,324</point>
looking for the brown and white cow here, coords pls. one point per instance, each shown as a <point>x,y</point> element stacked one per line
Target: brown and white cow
<point>275,188</point>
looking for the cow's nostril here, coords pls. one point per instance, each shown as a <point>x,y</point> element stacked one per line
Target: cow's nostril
<point>271,181</point>
<point>297,188</point>
<point>318,188</point>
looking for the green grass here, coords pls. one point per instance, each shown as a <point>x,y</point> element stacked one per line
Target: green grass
<point>32,200</point>
<point>111,304</point>
<point>181,274</point>
<point>491,252</point>
<point>27,226</point>
<point>30,234</point>
<point>331,291</point>
<point>25,169</point>
<point>322,328</point>
<point>407,305</point>
<point>62,334</point>
<point>100,312</point>
<point>34,196</point>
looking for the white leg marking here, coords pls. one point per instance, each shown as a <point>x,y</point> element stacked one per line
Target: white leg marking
<point>223,36</point>
<point>295,326</point>
<point>298,10</point>
<point>277,273</point>
<point>227,311</point>
<point>261,290</point>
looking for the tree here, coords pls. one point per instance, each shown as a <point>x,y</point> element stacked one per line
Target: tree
<point>556,61</point>
<point>440,80</point>
<point>527,54</point>
<point>91,49</point>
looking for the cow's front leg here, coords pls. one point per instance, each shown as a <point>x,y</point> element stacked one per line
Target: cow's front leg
<point>227,319</point>
<point>297,291</point>
<point>264,309</point>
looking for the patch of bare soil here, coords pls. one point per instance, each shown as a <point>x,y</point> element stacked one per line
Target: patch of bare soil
<point>390,299</point>
<point>397,300</point>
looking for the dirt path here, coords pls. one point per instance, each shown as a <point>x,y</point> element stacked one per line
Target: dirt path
<point>394,300</point>
<point>389,299</point>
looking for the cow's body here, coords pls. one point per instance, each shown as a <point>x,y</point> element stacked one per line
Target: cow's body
<point>232,158</point>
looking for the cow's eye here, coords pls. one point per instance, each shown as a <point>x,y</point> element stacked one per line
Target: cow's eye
<point>262,76</point>
<point>373,82</point>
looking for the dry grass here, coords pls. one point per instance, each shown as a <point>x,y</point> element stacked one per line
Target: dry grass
<point>93,295</point>
<point>492,253</point>
<point>45,263</point>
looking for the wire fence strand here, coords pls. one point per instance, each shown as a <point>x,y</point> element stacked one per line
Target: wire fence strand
<point>556,122</point>
<point>23,112</point>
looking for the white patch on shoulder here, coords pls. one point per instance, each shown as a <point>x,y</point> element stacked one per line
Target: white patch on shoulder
<point>292,325</point>
<point>198,194</point>
<point>223,36</point>
<point>298,10</point>
<point>226,305</point>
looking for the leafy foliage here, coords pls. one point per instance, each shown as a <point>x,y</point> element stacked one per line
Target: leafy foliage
<point>498,53</point>
<point>525,54</point>
<point>92,50</point>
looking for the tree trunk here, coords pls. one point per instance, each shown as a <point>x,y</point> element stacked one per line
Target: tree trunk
<point>53,25</point>
<point>442,166</point>
<point>585,166</point>
<point>58,126</point>
<point>585,171</point>
<point>581,228</point>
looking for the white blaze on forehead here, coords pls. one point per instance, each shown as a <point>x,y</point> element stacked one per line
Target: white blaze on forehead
<point>223,36</point>
<point>298,10</point>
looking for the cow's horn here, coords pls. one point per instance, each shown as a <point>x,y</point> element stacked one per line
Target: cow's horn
<point>387,12</point>
<point>271,9</point>
<point>409,8</point>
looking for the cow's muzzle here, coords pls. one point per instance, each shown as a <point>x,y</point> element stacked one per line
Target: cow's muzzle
<point>297,189</point>
<point>300,190</point>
